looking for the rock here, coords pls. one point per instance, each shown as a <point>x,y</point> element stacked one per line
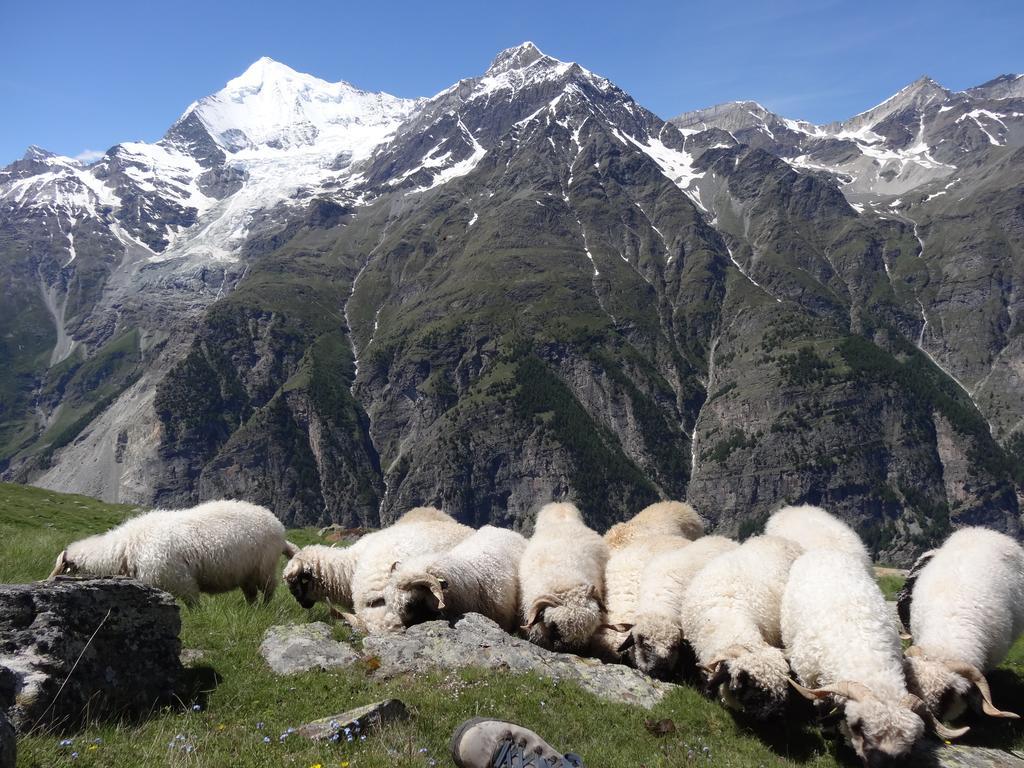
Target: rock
<point>475,641</point>
<point>356,721</point>
<point>963,756</point>
<point>8,747</point>
<point>293,648</point>
<point>96,647</point>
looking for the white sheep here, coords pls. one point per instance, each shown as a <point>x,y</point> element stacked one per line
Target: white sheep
<point>813,528</point>
<point>663,518</point>
<point>966,608</point>
<point>214,547</point>
<point>656,638</point>
<point>561,580</point>
<point>320,573</point>
<point>622,590</point>
<point>844,646</point>
<point>429,534</point>
<point>730,615</point>
<point>479,575</point>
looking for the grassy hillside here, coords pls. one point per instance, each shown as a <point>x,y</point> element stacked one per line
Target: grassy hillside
<point>234,711</point>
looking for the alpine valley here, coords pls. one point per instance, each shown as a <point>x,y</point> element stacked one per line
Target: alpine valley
<point>341,304</point>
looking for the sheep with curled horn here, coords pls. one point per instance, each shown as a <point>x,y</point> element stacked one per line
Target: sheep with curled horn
<point>622,592</point>
<point>844,647</point>
<point>320,573</point>
<point>656,641</point>
<point>730,616</point>
<point>430,534</point>
<point>479,575</point>
<point>561,580</point>
<point>965,605</point>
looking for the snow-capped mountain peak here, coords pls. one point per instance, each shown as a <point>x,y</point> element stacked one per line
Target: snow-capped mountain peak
<point>271,105</point>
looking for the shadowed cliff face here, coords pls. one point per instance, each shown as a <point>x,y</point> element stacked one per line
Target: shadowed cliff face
<point>531,289</point>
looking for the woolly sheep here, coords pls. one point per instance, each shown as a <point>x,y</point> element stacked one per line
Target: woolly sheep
<point>814,528</point>
<point>622,590</point>
<point>561,580</point>
<point>214,547</point>
<point>319,573</point>
<point>730,616</point>
<point>424,536</point>
<point>479,575</point>
<point>966,608</point>
<point>656,638</point>
<point>663,518</point>
<point>844,647</point>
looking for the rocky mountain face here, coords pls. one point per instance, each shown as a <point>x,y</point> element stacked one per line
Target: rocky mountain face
<point>341,304</point>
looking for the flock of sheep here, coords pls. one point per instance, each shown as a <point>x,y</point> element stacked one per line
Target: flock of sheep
<point>796,608</point>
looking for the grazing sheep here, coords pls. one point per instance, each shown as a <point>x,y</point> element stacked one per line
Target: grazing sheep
<point>814,528</point>
<point>561,580</point>
<point>319,573</point>
<point>214,547</point>
<point>479,575</point>
<point>656,638</point>
<point>966,608</point>
<point>844,647</point>
<point>622,590</point>
<point>663,518</point>
<point>424,536</point>
<point>730,616</point>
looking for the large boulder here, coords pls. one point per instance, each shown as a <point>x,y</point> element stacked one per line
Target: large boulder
<point>87,648</point>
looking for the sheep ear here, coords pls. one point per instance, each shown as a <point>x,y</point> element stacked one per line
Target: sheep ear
<point>628,643</point>
<point>58,568</point>
<point>394,566</point>
<point>974,674</point>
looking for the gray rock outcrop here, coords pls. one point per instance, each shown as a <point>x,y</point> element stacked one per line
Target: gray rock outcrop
<point>293,648</point>
<point>475,641</point>
<point>87,648</point>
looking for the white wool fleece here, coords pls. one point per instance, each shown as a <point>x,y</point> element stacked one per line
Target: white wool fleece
<point>814,528</point>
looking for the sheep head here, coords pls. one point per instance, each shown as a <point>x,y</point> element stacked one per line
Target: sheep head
<point>657,644</point>
<point>879,731</point>
<point>415,597</point>
<point>302,582</point>
<point>751,681</point>
<point>948,687</point>
<point>564,622</point>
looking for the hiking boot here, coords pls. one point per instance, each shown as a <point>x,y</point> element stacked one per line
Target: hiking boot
<point>485,743</point>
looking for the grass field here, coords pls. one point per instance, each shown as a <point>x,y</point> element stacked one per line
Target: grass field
<point>237,710</point>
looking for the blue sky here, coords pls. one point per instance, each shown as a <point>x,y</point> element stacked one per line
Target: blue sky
<point>77,76</point>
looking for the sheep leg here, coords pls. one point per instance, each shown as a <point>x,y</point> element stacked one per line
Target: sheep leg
<point>251,592</point>
<point>268,587</point>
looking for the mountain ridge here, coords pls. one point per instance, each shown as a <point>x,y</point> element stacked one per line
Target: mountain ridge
<point>526,287</point>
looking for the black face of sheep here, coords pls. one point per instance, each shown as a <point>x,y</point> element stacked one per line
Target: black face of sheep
<point>299,586</point>
<point>659,663</point>
<point>753,682</point>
